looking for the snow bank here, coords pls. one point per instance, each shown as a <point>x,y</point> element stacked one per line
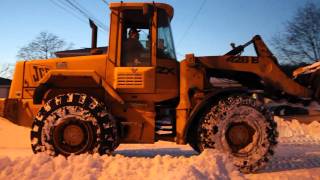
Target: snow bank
<point>15,163</point>
<point>13,136</point>
<point>209,165</point>
<point>289,129</point>
<point>139,162</point>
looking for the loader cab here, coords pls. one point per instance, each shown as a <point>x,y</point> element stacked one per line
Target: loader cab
<point>136,39</point>
<point>144,61</point>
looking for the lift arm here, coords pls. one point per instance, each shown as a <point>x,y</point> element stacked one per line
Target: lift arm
<point>265,65</point>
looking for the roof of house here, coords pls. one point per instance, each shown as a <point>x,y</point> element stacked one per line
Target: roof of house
<point>81,52</point>
<point>4,81</point>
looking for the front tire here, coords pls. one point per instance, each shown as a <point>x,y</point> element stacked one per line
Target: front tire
<point>241,127</point>
<point>74,123</point>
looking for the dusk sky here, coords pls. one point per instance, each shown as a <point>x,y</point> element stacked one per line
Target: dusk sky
<point>218,23</point>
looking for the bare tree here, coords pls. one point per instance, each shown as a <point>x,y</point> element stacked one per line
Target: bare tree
<point>42,47</point>
<point>6,70</point>
<point>300,42</point>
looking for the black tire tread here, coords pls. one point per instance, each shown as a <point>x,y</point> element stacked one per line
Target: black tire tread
<point>107,140</point>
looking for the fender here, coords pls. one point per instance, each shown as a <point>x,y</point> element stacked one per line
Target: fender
<point>48,82</point>
<point>208,99</point>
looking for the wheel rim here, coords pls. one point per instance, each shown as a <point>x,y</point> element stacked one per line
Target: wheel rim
<point>242,134</point>
<point>239,136</point>
<point>73,135</point>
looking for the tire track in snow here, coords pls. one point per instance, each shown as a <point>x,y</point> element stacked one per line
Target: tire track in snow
<point>302,154</point>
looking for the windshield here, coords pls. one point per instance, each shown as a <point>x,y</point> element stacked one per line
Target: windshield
<point>165,46</point>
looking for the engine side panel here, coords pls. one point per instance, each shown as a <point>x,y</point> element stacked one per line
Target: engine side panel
<point>37,69</point>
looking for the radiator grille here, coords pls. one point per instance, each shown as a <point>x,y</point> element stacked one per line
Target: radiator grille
<point>126,80</point>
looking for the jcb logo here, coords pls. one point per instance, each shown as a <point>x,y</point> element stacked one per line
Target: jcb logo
<point>243,59</point>
<point>39,72</point>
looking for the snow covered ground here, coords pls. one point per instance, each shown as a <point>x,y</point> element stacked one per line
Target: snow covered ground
<point>297,157</point>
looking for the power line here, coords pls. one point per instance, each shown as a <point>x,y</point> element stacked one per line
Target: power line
<point>68,11</point>
<point>74,7</point>
<point>91,16</point>
<point>106,2</point>
<point>85,13</point>
<point>192,21</point>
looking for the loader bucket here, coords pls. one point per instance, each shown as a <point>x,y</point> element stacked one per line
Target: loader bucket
<point>2,105</point>
<point>8,108</point>
<point>17,111</point>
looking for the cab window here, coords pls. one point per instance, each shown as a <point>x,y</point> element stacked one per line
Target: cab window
<point>136,40</point>
<point>165,46</point>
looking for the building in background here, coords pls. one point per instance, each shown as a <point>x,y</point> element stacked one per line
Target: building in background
<point>4,87</point>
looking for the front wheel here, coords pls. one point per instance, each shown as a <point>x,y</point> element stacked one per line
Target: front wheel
<point>74,123</point>
<point>241,127</point>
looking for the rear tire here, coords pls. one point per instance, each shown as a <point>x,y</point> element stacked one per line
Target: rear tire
<point>241,127</point>
<point>74,123</point>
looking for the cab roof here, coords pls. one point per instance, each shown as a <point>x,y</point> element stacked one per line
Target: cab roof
<point>133,5</point>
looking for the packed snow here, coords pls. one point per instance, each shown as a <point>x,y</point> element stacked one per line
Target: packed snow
<point>210,164</point>
<point>297,157</point>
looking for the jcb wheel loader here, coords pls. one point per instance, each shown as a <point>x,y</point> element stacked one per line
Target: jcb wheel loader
<point>91,100</point>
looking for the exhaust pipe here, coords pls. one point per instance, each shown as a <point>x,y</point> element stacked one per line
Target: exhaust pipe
<point>94,36</point>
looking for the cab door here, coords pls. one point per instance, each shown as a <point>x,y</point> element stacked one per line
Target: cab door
<point>135,71</point>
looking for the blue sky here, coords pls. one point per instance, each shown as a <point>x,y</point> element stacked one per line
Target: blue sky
<point>219,23</point>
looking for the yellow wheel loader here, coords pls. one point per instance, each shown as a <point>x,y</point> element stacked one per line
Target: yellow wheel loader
<point>91,100</point>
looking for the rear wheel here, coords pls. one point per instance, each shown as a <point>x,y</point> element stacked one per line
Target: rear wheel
<point>74,123</point>
<point>241,127</point>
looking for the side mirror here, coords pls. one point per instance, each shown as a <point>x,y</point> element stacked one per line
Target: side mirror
<point>147,9</point>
